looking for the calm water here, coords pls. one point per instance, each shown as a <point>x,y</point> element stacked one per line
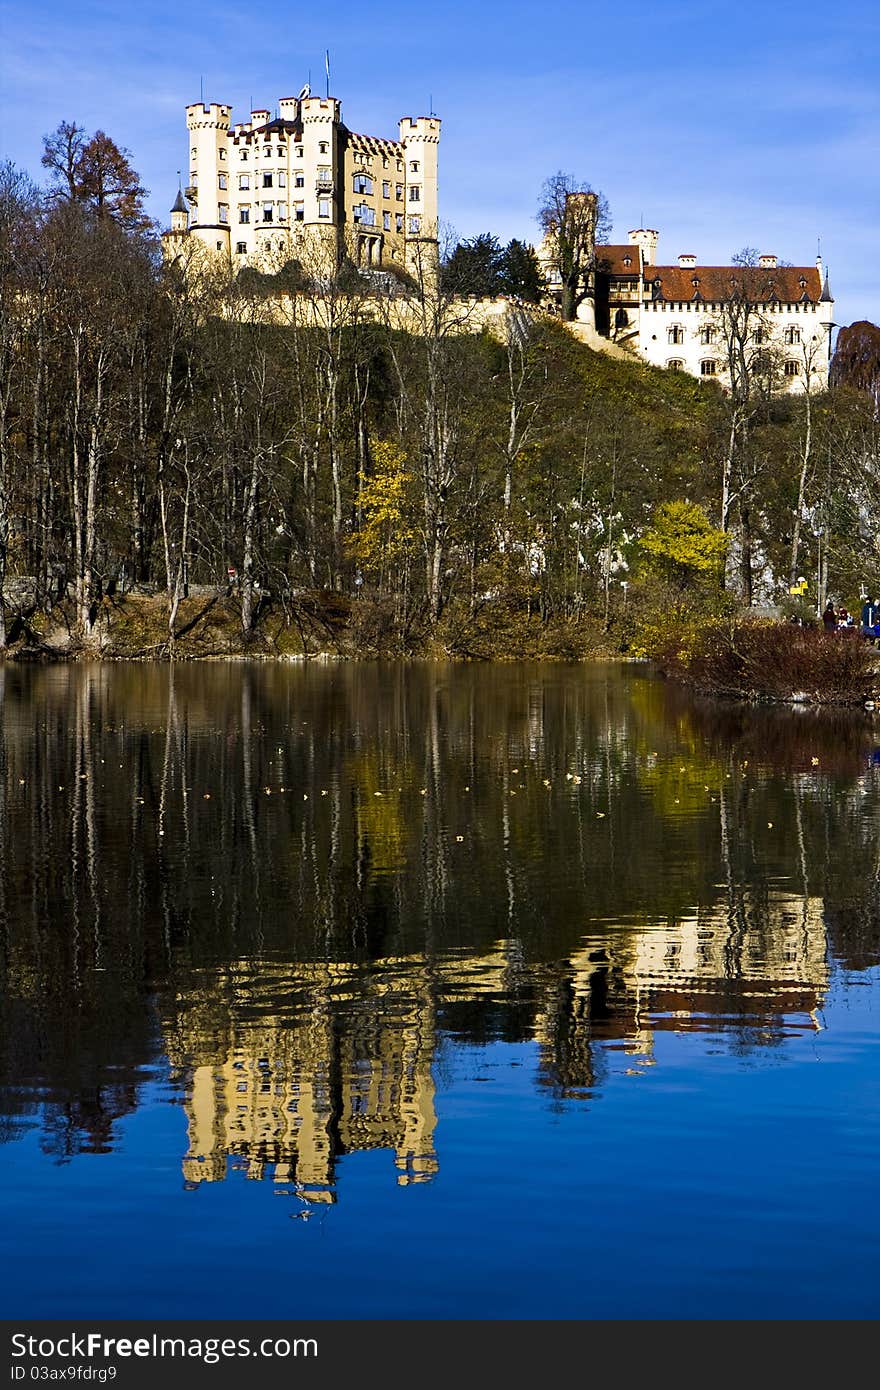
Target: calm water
<point>394,991</point>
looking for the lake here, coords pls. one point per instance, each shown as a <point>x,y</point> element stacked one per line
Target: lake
<point>418,990</point>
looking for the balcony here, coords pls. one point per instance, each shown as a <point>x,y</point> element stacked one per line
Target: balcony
<point>324,185</point>
<point>191,193</point>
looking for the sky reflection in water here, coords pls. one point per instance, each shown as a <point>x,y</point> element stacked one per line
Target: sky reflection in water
<point>434,991</point>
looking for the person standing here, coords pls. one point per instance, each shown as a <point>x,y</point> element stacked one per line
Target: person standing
<point>869,616</point>
<point>829,617</point>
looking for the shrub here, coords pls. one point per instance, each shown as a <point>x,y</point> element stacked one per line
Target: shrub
<point>779,661</point>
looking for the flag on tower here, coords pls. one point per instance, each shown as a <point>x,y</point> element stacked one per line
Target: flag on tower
<point>327,68</point>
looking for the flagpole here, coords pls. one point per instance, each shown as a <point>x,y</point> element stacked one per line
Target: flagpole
<point>327,69</point>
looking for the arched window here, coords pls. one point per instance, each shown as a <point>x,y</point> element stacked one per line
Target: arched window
<point>707,334</point>
<point>675,364</point>
<point>708,367</point>
<point>676,334</point>
<point>792,336</point>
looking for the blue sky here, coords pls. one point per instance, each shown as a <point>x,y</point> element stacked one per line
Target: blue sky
<point>724,126</point>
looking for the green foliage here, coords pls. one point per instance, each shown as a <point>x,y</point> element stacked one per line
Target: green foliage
<point>483,268</point>
<point>519,275</point>
<point>682,545</point>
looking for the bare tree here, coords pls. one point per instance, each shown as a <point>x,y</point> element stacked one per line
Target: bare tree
<point>573,217</point>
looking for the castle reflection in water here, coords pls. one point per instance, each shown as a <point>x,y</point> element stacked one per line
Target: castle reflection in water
<point>298,887</point>
<point>351,1066</point>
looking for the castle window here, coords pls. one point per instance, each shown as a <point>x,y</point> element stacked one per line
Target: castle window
<point>298,151</point>
<point>398,188</point>
<point>415,226</point>
<point>243,156</point>
<point>194,154</point>
<point>223,209</point>
<point>282,213</point>
<point>792,369</point>
<point>299,180</point>
<point>398,221</point>
<point>384,161</point>
<point>400,166</point>
<point>194,179</point>
<point>244,214</point>
<point>708,367</point>
<point>791,336</point>
<point>222,154</point>
<point>758,335</point>
<point>323,207</point>
<point>627,261</point>
<point>363,183</point>
<point>221,181</point>
<point>386,189</point>
<point>267,180</point>
<point>268,212</point>
<point>280,151</point>
<point>386,221</point>
<point>675,364</point>
<point>299,212</point>
<point>415,193</point>
<point>323,147</point>
<point>282,179</point>
<point>676,334</point>
<point>414,166</point>
<point>707,335</point>
<point>241,248</point>
<point>365,215</point>
<point>244,181</point>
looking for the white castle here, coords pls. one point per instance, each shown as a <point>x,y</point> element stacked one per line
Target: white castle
<point>301,185</point>
<point>271,189</point>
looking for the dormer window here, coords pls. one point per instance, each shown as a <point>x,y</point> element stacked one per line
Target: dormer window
<point>696,282</point>
<point>627,261</point>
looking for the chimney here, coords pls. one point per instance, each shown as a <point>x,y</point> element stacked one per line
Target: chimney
<point>767,262</point>
<point>259,118</point>
<point>685,262</point>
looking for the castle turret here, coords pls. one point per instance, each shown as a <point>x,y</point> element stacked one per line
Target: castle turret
<point>647,238</point>
<point>179,214</point>
<point>826,311</point>
<point>420,138</point>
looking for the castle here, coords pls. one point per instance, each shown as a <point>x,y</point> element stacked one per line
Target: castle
<point>691,317</point>
<point>303,185</point>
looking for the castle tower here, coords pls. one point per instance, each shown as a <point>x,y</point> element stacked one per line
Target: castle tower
<point>420,138</point>
<point>210,175</point>
<point>647,238</point>
<point>322,195</point>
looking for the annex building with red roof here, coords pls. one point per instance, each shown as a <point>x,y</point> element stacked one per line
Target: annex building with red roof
<point>708,320</point>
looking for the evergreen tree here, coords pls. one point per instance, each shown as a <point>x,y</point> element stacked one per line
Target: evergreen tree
<point>519,274</point>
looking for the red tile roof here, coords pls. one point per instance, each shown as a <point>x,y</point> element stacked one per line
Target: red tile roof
<point>716,282</point>
<point>611,258</point>
<point>719,282</point>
